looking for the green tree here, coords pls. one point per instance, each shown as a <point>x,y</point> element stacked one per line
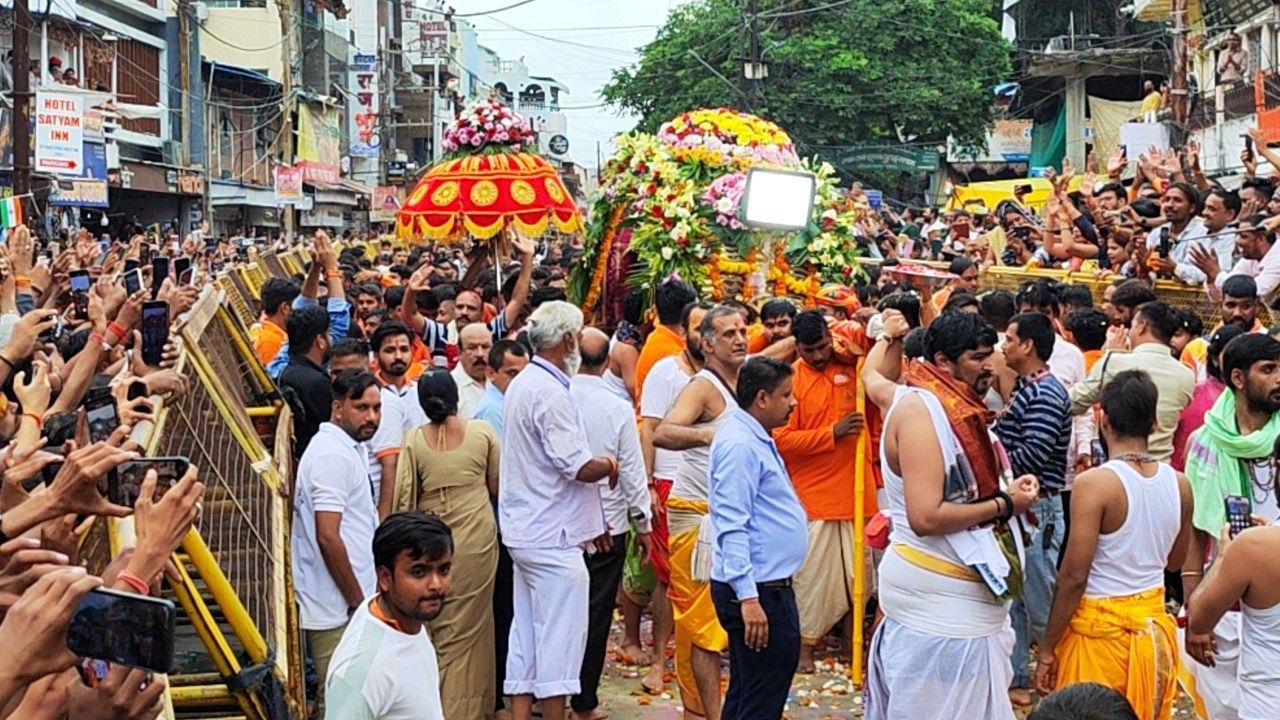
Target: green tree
<point>839,72</point>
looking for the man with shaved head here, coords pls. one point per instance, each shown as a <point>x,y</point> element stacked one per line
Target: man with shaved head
<point>474,343</point>
<point>611,430</point>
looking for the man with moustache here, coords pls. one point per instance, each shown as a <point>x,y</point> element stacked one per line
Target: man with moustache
<point>1239,303</point>
<point>761,537</point>
<point>385,666</point>
<point>1255,242</point>
<point>932,658</point>
<point>702,408</point>
<point>1232,454</point>
<point>334,518</point>
<point>474,342</point>
<point>548,508</point>
<point>392,346</point>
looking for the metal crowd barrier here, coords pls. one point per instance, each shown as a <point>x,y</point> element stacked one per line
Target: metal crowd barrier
<point>239,653</point>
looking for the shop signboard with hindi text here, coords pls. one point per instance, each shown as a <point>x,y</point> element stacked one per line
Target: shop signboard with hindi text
<point>79,192</point>
<point>902,158</point>
<point>59,133</point>
<point>319,143</point>
<point>363,110</point>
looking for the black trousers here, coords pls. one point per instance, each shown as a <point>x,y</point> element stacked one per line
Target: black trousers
<point>759,681</point>
<point>606,574</point>
<point>503,612</point>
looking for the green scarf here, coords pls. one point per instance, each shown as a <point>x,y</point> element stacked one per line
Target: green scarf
<point>1214,465</point>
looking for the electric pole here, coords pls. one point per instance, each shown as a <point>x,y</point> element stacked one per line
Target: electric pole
<point>21,98</point>
<point>1178,85</point>
<point>184,67</point>
<point>286,89</point>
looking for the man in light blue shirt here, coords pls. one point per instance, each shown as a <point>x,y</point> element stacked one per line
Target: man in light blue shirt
<point>761,537</point>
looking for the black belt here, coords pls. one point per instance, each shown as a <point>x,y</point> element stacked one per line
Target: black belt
<point>774,584</point>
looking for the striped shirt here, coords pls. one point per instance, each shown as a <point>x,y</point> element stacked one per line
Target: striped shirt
<point>436,334</point>
<point>1035,429</point>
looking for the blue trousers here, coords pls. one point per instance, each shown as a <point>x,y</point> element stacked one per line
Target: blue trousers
<point>1030,614</point>
<point>759,681</point>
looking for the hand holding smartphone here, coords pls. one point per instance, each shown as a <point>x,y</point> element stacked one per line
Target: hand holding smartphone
<point>155,331</point>
<point>125,629</point>
<point>80,285</point>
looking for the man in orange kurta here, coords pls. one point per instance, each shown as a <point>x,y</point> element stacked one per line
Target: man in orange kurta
<point>818,445</point>
<point>667,338</point>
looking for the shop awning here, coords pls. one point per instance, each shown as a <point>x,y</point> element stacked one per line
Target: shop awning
<point>223,193</point>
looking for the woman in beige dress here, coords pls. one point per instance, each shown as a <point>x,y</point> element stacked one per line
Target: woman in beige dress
<point>449,467</point>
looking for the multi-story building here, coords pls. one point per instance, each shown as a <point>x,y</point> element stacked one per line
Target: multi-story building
<point>537,97</point>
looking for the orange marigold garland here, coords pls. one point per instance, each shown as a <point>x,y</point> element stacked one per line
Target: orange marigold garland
<point>780,264</point>
<point>811,296</point>
<point>747,289</point>
<point>602,261</point>
<point>713,273</point>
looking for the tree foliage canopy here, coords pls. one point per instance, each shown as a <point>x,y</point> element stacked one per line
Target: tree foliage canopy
<point>852,72</point>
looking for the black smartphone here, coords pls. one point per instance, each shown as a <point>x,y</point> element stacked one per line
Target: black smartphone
<point>125,484</point>
<point>155,330</point>
<point>182,271</point>
<point>1248,146</point>
<point>159,271</point>
<point>132,281</point>
<point>54,333</point>
<point>80,293</point>
<point>123,628</point>
<point>130,264</point>
<point>144,253</point>
<point>101,415</point>
<point>1022,189</point>
<point>1238,511</point>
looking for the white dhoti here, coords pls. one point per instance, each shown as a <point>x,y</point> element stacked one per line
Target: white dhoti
<point>942,651</point>
<point>551,593</point>
<point>1215,690</point>
<point>824,584</point>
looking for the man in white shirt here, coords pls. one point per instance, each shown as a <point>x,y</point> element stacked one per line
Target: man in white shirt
<point>392,347</point>
<point>385,666</point>
<point>474,343</point>
<point>611,432</point>
<point>662,386</point>
<point>549,509</point>
<point>334,517</point>
<point>1255,242</point>
<point>1172,242</point>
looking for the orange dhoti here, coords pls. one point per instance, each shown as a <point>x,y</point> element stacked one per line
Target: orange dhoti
<point>1128,644</point>
<point>694,613</point>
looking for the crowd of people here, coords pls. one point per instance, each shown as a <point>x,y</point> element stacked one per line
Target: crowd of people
<point>1069,500</point>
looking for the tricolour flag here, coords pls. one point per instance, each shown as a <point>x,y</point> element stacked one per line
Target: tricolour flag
<point>10,212</point>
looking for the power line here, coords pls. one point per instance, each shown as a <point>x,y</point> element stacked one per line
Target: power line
<point>474,14</point>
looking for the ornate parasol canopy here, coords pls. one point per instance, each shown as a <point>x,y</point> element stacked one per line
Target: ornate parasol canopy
<point>488,182</point>
<point>481,195</point>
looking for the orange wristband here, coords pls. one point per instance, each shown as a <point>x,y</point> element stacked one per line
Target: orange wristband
<point>39,420</point>
<point>138,584</point>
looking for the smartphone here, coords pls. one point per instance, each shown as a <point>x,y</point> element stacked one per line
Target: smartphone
<point>1238,511</point>
<point>123,628</point>
<point>159,272</point>
<point>144,253</point>
<point>101,415</point>
<point>155,330</point>
<point>50,472</point>
<point>125,485</point>
<point>1248,146</point>
<point>80,293</point>
<point>1022,189</point>
<point>54,333</point>
<point>960,232</point>
<point>182,270</point>
<point>130,264</point>
<point>133,281</point>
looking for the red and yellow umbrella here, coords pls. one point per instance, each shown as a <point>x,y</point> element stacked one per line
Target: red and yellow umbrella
<point>481,195</point>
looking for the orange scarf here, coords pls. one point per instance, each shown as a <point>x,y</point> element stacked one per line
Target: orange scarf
<point>969,419</point>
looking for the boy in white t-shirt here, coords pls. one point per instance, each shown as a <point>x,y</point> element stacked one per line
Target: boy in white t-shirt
<point>385,667</point>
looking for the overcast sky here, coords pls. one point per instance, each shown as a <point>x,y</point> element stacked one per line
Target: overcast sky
<point>581,42</point>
